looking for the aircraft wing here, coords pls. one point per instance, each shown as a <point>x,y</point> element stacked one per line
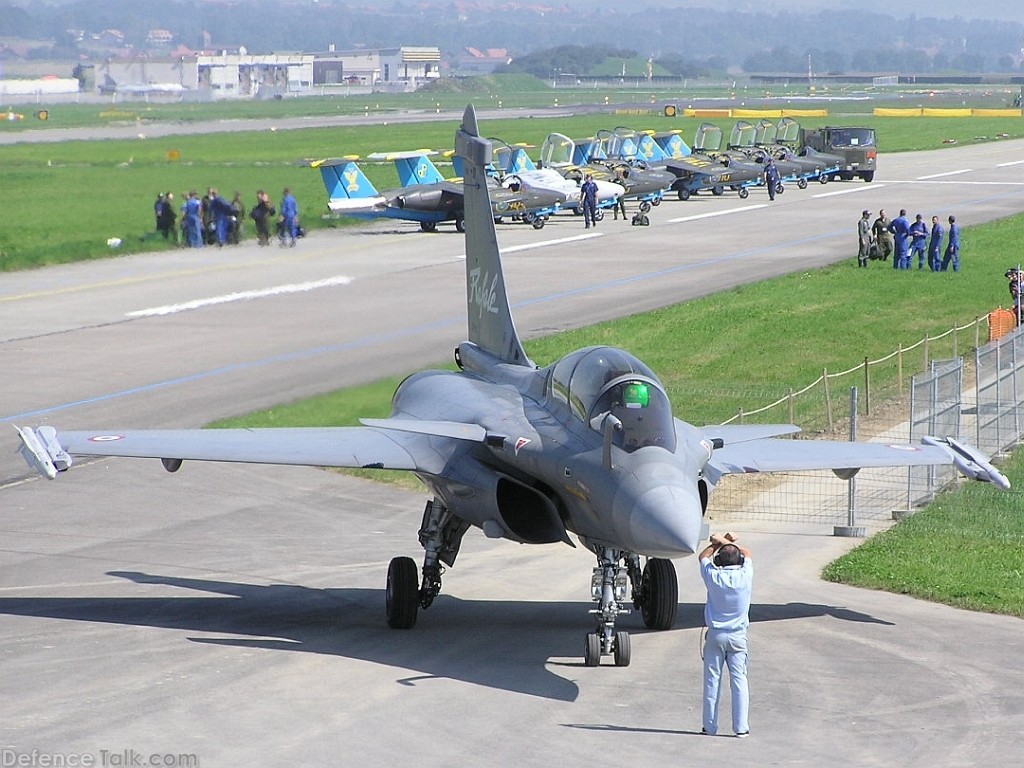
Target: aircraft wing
<point>782,455</point>
<point>353,447</point>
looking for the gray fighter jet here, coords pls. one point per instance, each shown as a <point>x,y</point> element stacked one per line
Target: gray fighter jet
<point>587,446</point>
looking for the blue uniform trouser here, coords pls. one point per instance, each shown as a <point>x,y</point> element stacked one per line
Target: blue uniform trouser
<point>917,248</point>
<point>194,228</point>
<point>952,255</point>
<point>901,259</point>
<point>725,648</point>
<point>934,259</point>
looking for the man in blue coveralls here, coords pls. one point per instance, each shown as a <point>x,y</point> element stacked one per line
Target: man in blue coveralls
<point>952,247</point>
<point>935,245</point>
<point>900,229</point>
<point>918,241</point>
<point>728,572</point>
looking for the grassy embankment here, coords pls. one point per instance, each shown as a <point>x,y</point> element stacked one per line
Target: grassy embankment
<point>63,201</point>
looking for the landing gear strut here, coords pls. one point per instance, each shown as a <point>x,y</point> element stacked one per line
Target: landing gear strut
<point>441,535</point>
<point>609,588</point>
<point>655,592</point>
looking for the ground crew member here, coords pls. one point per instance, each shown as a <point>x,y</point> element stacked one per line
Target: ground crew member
<point>728,573</point>
<point>918,241</point>
<point>863,239</point>
<point>935,245</point>
<point>900,229</point>
<point>952,247</point>
<point>588,196</point>
<point>880,229</point>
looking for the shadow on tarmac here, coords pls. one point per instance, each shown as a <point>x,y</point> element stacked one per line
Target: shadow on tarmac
<point>508,645</point>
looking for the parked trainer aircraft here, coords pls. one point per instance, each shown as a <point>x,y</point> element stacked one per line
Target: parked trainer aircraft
<point>587,446</point>
<point>426,196</point>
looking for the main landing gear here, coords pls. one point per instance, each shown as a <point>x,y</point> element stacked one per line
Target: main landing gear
<point>441,535</point>
<point>655,591</point>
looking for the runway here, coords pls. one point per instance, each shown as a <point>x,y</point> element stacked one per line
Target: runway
<point>235,613</point>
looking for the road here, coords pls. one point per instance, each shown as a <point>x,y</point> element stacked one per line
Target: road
<point>235,613</point>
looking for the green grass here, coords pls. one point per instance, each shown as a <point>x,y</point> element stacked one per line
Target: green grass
<point>965,549</point>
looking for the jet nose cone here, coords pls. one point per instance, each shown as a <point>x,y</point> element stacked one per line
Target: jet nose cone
<point>665,522</point>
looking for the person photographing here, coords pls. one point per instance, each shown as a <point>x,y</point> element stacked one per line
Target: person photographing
<point>728,573</point>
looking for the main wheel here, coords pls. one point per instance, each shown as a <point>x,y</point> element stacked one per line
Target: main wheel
<point>402,595</point>
<point>823,179</point>
<point>539,222</point>
<point>645,207</point>
<point>779,188</point>
<point>659,592</point>
<point>621,649</point>
<point>718,190</point>
<point>868,176</point>
<point>460,224</point>
<point>428,226</point>
<point>801,184</point>
<point>592,650</point>
<point>743,193</point>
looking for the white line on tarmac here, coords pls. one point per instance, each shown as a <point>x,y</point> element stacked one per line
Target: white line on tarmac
<point>542,244</point>
<point>697,216</point>
<point>849,190</point>
<point>279,290</point>
<point>1007,165</point>
<point>947,173</point>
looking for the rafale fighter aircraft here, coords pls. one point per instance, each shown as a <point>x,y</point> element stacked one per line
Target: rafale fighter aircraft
<point>585,446</point>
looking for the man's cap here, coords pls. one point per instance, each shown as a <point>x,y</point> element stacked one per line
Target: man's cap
<point>865,213</point>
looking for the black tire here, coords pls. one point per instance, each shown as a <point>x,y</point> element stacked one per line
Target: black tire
<point>428,226</point>
<point>718,190</point>
<point>592,650</point>
<point>645,206</point>
<point>823,179</point>
<point>868,176</point>
<point>539,222</point>
<point>460,224</point>
<point>656,201</point>
<point>801,184</point>
<point>683,193</point>
<point>622,649</point>
<point>659,598</point>
<point>743,193</point>
<point>779,189</point>
<point>402,594</point>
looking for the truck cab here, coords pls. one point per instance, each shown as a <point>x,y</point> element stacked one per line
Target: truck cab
<point>856,146</point>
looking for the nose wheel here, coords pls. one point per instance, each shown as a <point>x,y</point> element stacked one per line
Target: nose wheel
<point>609,588</point>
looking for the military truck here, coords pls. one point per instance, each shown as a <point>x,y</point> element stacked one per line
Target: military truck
<point>855,145</point>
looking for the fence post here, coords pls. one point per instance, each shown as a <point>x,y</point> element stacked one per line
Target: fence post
<point>867,387</point>
<point>955,334</point>
<point>899,366</point>
<point>851,529</point>
<point>791,407</point>
<point>927,340</point>
<point>828,398</point>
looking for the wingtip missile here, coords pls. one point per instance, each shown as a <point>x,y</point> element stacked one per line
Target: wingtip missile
<point>971,462</point>
<point>42,451</point>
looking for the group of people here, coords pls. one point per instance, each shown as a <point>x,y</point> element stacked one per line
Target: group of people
<point>903,240</point>
<point>214,220</point>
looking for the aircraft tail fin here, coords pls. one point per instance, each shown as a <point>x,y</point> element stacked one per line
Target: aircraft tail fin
<point>520,161</point>
<point>490,316</point>
<point>346,183</point>
<point>417,169</point>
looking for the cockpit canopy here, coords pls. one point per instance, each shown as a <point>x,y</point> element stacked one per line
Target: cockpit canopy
<point>596,381</point>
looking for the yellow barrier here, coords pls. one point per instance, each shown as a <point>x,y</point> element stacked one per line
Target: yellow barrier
<point>805,113</point>
<point>996,112</point>
<point>707,112</point>
<point>882,112</point>
<point>935,112</point>
<point>757,113</point>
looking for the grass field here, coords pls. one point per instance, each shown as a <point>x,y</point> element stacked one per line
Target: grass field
<point>99,190</point>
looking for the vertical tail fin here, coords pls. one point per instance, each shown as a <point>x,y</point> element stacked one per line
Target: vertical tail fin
<point>672,145</point>
<point>414,167</point>
<point>490,317</point>
<point>346,184</point>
